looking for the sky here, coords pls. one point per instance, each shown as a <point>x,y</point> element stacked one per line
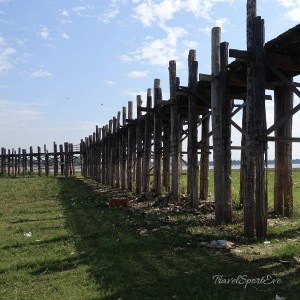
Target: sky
<point>67,66</point>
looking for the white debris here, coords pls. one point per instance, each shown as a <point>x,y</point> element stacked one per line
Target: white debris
<point>279,298</point>
<point>221,244</point>
<point>28,234</point>
<point>267,242</point>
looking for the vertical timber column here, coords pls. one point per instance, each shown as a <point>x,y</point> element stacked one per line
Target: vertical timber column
<point>24,162</point>
<point>8,162</point>
<point>103,154</point>
<point>147,145</point>
<point>216,111</point>
<point>39,161</point>
<point>66,168</point>
<point>62,161</point>
<point>123,149</point>
<point>113,153</point>
<point>130,140</point>
<point>16,162</point>
<point>157,137</point>
<point>55,159</point>
<point>255,201</point>
<point>31,160</point>
<point>139,146</point>
<point>175,132</point>
<point>46,161</point>
<point>204,160</point>
<point>109,166</point>
<point>243,157</point>
<point>226,133</point>
<point>19,161</point>
<point>118,150</point>
<point>100,155</point>
<point>193,169</point>
<point>166,157</point>
<point>283,186</point>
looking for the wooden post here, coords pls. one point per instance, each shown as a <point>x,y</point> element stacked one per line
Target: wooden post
<point>147,145</point>
<point>226,133</point>
<point>46,161</point>
<point>193,132</point>
<point>24,165</point>
<point>204,160</point>
<point>103,155</point>
<point>99,147</point>
<point>166,157</point>
<point>39,161</point>
<point>130,148</point>
<point>19,161</point>
<point>113,153</point>
<point>55,159</point>
<point>66,158</point>
<point>139,146</point>
<point>243,158</point>
<point>16,163</point>
<point>175,132</point>
<point>216,113</point>
<point>255,201</point>
<point>123,150</point>
<point>118,150</point>
<point>283,185</point>
<point>157,137</point>
<point>31,160</point>
<point>8,162</point>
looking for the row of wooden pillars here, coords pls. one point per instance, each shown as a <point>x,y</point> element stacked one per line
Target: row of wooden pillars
<point>125,155</point>
<point>20,162</point>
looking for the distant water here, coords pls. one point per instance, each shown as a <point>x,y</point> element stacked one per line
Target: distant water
<point>237,166</point>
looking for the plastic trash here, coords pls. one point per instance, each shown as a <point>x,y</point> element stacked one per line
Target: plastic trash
<point>220,244</point>
<point>28,234</point>
<point>267,242</point>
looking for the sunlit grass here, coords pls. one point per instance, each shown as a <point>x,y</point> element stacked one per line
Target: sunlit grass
<point>82,249</point>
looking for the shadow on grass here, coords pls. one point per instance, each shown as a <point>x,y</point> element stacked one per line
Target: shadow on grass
<point>162,265</point>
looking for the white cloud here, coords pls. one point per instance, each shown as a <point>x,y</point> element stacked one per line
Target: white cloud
<point>109,82</point>
<point>138,74</point>
<point>153,12</point>
<point>65,13</point>
<point>148,13</point>
<point>40,73</point>
<point>65,36</point>
<point>44,32</point>
<point>287,3</point>
<point>293,6</point>
<point>158,51</point>
<point>109,14</point>
<point>293,15</point>
<point>6,57</point>
<point>82,11</point>
<point>11,111</point>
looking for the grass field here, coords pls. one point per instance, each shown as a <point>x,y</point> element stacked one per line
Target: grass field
<point>59,240</point>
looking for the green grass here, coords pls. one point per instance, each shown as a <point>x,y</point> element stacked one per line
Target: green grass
<point>236,187</point>
<point>82,249</point>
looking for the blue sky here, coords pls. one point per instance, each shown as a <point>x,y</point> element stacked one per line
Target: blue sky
<point>66,66</point>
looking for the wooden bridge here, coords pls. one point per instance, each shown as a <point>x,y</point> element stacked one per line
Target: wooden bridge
<point>125,154</point>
